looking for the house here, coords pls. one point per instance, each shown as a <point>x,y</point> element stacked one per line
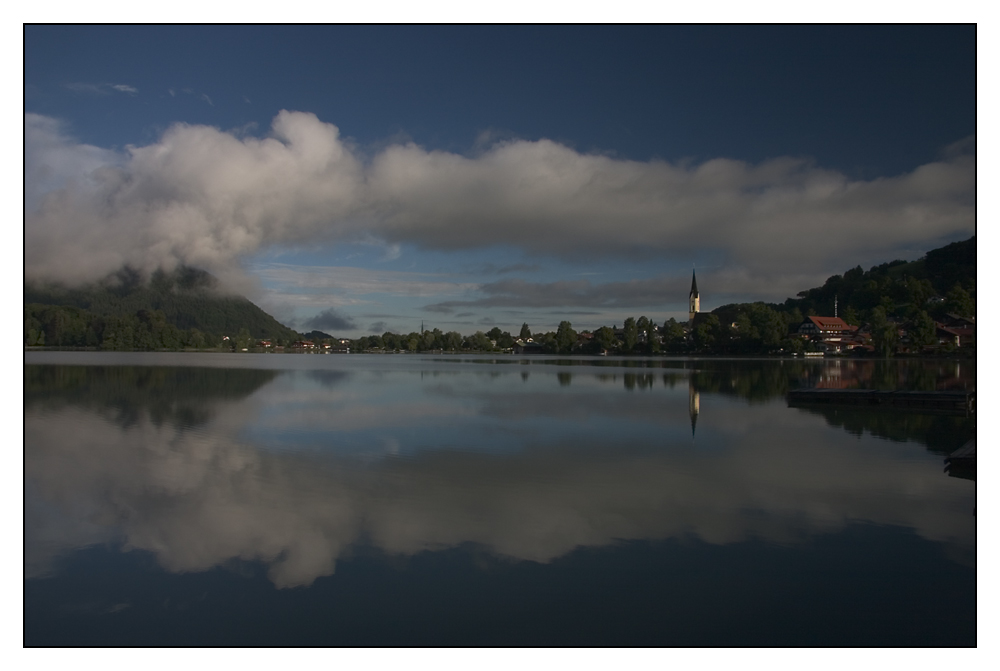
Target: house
<point>952,320</point>
<point>964,328</point>
<point>826,329</point>
<point>832,334</point>
<point>947,335</point>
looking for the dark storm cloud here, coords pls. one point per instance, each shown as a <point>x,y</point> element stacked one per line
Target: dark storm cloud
<point>330,320</point>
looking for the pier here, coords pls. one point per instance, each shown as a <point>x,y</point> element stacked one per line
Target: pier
<point>950,402</point>
<point>962,462</point>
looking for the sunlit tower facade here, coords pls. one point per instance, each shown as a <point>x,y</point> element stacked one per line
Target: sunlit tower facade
<point>694,300</point>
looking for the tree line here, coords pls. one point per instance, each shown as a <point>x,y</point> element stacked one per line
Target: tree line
<point>181,310</point>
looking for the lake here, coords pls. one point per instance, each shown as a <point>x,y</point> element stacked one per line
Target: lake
<point>283,499</point>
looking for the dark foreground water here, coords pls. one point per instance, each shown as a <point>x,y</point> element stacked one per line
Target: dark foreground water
<point>179,499</point>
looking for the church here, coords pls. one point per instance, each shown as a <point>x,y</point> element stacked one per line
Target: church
<point>694,300</point>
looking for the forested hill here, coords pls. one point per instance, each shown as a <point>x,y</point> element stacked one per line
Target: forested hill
<point>127,310</point>
<point>948,272</point>
<point>912,295</point>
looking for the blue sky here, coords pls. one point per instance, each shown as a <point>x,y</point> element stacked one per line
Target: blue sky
<point>368,178</point>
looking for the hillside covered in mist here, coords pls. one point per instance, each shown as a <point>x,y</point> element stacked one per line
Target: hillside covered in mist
<point>168,310</point>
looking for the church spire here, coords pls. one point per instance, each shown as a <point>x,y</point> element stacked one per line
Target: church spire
<point>694,300</point>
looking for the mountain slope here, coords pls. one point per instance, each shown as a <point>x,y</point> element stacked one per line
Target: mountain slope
<point>186,299</point>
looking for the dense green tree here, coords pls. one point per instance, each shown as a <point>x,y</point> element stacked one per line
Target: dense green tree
<point>768,326</point>
<point>851,316</point>
<point>959,302</point>
<point>431,340</point>
<point>923,332</point>
<point>34,334</point>
<point>479,341</point>
<point>673,335</point>
<point>525,332</point>
<point>630,335</point>
<point>884,333</point>
<point>452,341</point>
<point>707,333</point>
<point>565,338</point>
<point>505,341</point>
<point>652,337</point>
<point>605,338</point>
<point>195,338</point>
<point>392,341</point>
<point>548,341</point>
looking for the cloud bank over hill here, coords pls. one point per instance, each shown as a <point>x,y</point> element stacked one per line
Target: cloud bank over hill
<point>209,198</point>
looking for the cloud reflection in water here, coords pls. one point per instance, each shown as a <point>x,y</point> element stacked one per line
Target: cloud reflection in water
<point>573,476</point>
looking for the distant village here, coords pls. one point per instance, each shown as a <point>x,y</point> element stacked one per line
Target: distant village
<point>925,307</point>
<point>757,329</point>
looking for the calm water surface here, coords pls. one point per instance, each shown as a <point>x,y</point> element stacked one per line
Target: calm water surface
<point>178,499</point>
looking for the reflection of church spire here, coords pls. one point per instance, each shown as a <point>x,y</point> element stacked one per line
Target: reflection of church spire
<point>694,405</point>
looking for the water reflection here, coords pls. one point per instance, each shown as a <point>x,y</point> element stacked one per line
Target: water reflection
<point>183,397</point>
<point>294,468</point>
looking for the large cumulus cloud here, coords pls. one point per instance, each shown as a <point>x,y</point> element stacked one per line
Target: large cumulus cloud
<point>209,198</point>
<point>198,196</point>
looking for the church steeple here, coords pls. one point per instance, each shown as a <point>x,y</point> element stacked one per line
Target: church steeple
<point>694,300</point>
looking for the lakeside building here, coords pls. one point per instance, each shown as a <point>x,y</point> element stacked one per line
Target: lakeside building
<point>827,329</point>
<point>833,334</point>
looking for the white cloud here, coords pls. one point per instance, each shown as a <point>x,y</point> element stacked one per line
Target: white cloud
<point>198,196</point>
<point>101,89</point>
<point>209,198</point>
<point>54,161</point>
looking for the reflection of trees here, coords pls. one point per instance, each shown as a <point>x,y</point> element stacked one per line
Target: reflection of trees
<point>760,380</point>
<point>941,434</point>
<point>751,380</point>
<point>178,395</point>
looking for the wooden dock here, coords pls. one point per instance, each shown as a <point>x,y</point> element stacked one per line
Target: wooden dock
<point>966,453</point>
<point>950,402</point>
<point>962,462</point>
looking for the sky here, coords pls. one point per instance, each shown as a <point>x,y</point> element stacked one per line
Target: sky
<point>358,179</point>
